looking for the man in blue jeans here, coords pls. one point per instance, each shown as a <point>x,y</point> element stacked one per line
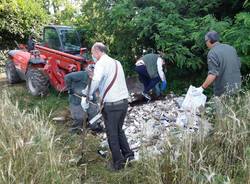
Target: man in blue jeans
<point>150,70</point>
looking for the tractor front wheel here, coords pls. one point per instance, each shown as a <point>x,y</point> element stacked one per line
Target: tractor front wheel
<point>37,82</point>
<point>11,73</point>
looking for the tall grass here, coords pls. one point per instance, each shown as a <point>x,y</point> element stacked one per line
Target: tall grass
<point>221,157</point>
<point>28,152</point>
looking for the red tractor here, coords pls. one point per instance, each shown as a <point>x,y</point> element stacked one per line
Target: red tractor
<point>59,54</point>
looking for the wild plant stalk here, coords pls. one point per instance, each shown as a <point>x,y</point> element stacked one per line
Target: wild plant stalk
<point>220,157</point>
<point>27,148</point>
<point>28,153</point>
<point>223,156</point>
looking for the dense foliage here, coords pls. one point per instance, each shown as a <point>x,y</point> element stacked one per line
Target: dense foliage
<point>129,27</point>
<point>38,154</point>
<point>19,18</point>
<point>175,27</point>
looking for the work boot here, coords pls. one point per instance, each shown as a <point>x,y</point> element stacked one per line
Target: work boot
<point>111,167</point>
<point>146,96</point>
<point>114,167</point>
<point>76,124</point>
<point>129,160</point>
<point>96,127</point>
<point>118,165</point>
<point>75,130</point>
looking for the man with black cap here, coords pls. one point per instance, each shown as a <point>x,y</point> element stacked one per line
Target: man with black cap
<point>223,67</point>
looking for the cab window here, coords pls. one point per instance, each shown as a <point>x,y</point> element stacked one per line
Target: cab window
<point>51,39</point>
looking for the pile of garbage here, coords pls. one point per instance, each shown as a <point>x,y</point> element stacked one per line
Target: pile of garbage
<point>150,124</point>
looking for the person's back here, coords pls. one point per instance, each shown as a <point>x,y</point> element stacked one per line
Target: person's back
<point>119,89</point>
<point>228,79</point>
<point>150,60</point>
<point>110,80</point>
<point>76,82</point>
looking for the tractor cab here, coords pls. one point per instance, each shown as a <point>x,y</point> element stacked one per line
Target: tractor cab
<point>62,38</point>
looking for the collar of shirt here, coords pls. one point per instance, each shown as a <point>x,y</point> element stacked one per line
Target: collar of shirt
<point>103,57</point>
<point>139,62</point>
<point>216,44</point>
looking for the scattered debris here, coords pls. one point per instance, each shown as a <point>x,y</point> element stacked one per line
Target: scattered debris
<point>149,125</point>
<point>59,119</point>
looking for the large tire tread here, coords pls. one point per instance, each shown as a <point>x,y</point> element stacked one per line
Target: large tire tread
<point>11,73</point>
<point>37,82</point>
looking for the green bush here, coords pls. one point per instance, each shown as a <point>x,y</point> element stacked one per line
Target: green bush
<point>239,35</point>
<point>176,28</point>
<point>18,19</point>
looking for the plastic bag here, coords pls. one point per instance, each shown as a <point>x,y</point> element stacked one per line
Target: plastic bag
<point>193,100</point>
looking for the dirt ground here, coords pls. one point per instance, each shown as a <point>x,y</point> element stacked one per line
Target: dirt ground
<point>3,81</point>
<point>134,85</point>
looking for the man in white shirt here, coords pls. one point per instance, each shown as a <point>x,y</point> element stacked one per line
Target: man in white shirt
<point>109,78</point>
<point>150,71</point>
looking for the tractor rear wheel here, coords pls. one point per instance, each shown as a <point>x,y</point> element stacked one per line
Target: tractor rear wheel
<point>11,73</point>
<point>37,82</point>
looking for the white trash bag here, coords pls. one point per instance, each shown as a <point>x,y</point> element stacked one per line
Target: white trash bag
<point>193,100</point>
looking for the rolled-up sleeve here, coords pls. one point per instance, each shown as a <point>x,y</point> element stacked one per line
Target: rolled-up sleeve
<point>160,69</point>
<point>213,64</point>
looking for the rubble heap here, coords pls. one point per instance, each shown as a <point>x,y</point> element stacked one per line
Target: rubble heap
<point>150,124</point>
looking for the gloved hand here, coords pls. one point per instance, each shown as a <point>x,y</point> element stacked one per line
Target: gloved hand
<point>91,97</point>
<point>163,85</point>
<point>70,91</point>
<point>85,91</point>
<point>198,91</point>
<point>84,104</point>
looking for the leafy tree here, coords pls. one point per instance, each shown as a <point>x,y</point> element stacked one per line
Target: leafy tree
<point>176,27</point>
<point>67,16</point>
<point>19,18</point>
<point>239,35</point>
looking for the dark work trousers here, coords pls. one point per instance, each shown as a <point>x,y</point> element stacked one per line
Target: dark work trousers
<point>77,113</point>
<point>114,116</point>
<point>144,77</point>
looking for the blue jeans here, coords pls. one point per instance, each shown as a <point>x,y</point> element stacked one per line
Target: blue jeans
<point>144,78</point>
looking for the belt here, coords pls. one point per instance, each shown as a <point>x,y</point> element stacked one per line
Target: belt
<point>115,103</point>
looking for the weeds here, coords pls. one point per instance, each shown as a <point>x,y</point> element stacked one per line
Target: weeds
<point>34,151</point>
<point>222,157</point>
<point>27,148</point>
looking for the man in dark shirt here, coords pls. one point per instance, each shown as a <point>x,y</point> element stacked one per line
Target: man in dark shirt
<point>76,82</point>
<point>223,67</point>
